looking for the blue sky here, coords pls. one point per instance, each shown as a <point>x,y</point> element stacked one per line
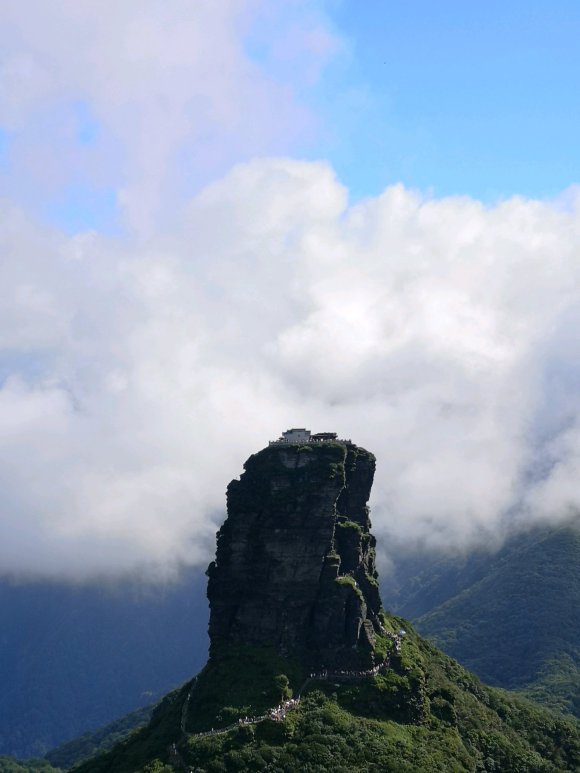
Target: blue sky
<point>458,98</point>
<point>449,98</point>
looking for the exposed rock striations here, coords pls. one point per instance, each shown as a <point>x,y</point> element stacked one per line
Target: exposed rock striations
<point>295,563</point>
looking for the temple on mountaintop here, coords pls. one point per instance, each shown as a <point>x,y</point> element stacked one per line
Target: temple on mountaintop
<point>301,435</point>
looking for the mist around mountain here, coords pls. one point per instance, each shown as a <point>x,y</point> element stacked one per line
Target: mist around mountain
<point>511,616</point>
<point>75,658</point>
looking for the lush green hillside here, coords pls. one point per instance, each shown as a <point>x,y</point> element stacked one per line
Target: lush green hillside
<point>512,617</point>
<point>74,658</point>
<point>424,713</point>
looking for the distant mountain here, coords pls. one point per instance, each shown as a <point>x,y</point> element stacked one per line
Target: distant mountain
<point>74,658</point>
<point>306,671</point>
<point>512,617</point>
<point>97,741</point>
<point>10,765</point>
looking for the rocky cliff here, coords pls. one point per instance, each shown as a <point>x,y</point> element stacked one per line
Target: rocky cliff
<point>295,562</point>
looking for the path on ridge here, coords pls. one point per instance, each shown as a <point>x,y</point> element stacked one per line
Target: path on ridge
<point>278,713</point>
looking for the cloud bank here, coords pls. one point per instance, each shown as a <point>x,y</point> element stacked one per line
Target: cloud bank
<point>244,296</point>
<point>438,333</point>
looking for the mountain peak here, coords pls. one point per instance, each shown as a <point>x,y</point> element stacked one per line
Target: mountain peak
<point>295,563</point>
<point>306,671</point>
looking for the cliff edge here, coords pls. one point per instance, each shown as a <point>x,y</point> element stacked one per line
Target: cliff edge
<point>295,562</point>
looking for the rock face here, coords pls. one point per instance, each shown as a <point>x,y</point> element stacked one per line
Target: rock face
<point>295,563</point>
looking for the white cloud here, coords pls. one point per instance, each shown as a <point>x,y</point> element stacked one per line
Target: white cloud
<point>170,86</point>
<point>137,373</point>
<point>434,332</point>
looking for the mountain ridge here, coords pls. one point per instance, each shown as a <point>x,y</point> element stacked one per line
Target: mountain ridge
<point>384,700</point>
<point>513,618</point>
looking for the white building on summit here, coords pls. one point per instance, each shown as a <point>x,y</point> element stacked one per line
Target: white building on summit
<point>301,435</point>
<point>294,435</point>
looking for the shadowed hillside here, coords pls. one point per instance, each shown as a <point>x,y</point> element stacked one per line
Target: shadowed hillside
<point>73,658</point>
<point>512,617</point>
